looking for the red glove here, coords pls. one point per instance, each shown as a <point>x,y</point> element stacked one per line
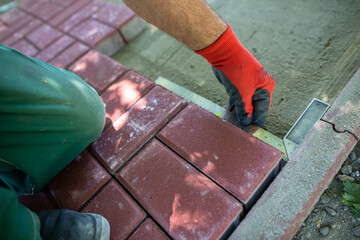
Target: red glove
<point>249,86</point>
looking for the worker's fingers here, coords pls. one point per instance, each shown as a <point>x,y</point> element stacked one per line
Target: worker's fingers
<point>261,103</point>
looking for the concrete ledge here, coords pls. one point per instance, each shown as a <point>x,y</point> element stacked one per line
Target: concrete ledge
<point>344,113</point>
<point>280,211</point>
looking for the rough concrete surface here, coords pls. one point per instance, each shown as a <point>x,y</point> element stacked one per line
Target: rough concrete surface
<point>285,204</point>
<point>344,114</point>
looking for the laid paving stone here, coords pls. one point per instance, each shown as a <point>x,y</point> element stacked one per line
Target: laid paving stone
<point>42,36</point>
<point>99,36</point>
<point>73,15</point>
<point>123,214</point>
<point>25,47</point>
<point>38,201</point>
<point>149,231</point>
<point>128,133</point>
<point>28,4</point>
<point>187,204</point>
<point>19,34</point>
<point>344,113</point>
<point>70,55</point>
<point>54,49</point>
<point>80,180</point>
<point>7,31</point>
<point>66,3</point>
<point>98,70</point>
<point>284,206</point>
<point>45,10</point>
<point>120,96</point>
<point>114,15</point>
<point>233,158</point>
<point>12,16</point>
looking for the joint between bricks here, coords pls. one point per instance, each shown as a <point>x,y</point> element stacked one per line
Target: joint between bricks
<point>341,131</point>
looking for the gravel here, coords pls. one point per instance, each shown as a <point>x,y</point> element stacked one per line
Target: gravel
<point>330,219</point>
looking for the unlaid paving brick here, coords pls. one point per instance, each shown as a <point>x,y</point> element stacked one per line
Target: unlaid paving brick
<point>233,158</point>
<point>12,16</point>
<point>186,203</point>
<point>121,95</point>
<point>7,31</point>
<point>123,214</point>
<point>284,206</point>
<point>68,16</point>
<point>51,51</point>
<point>38,201</point>
<point>149,231</point>
<point>43,36</point>
<point>80,180</point>
<point>97,35</point>
<point>70,55</point>
<point>128,133</point>
<point>25,47</point>
<point>344,113</point>
<point>45,10</point>
<point>98,70</point>
<point>19,34</point>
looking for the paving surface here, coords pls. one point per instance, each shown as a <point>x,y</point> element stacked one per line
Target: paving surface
<point>162,168</point>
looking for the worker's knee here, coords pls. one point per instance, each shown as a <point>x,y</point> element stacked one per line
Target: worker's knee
<point>91,118</point>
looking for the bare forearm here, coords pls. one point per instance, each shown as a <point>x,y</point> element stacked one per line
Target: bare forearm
<point>192,22</point>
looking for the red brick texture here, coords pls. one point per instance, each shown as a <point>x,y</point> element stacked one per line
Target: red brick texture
<point>236,160</point>
<point>78,182</point>
<point>41,23</point>
<point>131,131</point>
<point>98,70</point>
<point>149,231</point>
<point>123,214</point>
<point>183,201</point>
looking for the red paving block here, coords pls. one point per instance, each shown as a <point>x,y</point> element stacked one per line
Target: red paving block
<point>344,113</point>
<point>65,3</point>
<point>123,214</point>
<point>25,47</point>
<point>43,36</point>
<point>98,70</point>
<point>80,180</point>
<point>45,10</point>
<point>70,55</point>
<point>38,201</point>
<point>187,204</point>
<point>27,5</point>
<point>149,231</point>
<point>119,141</point>
<point>19,34</point>
<point>123,94</point>
<point>114,15</point>
<point>50,52</point>
<point>236,160</point>
<point>7,31</point>
<point>92,32</point>
<point>12,16</point>
<point>71,12</point>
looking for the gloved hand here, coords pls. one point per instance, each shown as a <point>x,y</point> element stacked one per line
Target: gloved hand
<point>249,86</point>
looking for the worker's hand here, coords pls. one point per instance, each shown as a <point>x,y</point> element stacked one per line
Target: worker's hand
<point>250,89</point>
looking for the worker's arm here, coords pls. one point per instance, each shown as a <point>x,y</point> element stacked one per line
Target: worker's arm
<point>195,24</point>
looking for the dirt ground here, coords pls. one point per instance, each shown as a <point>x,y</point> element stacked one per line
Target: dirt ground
<point>312,49</point>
